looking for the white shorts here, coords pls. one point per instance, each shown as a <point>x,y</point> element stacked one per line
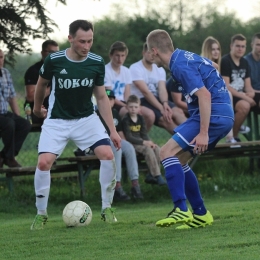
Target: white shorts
<point>83,132</point>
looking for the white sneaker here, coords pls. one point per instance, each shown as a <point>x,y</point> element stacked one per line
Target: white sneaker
<point>233,142</point>
<point>244,129</point>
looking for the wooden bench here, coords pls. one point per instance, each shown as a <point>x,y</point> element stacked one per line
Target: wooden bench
<point>250,149</point>
<point>63,165</point>
<point>88,163</point>
<point>83,165</point>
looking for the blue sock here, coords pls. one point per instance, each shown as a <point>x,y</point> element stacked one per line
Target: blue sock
<point>175,181</point>
<point>193,192</point>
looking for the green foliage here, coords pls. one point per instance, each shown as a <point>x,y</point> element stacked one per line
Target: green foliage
<point>185,24</point>
<point>23,62</point>
<point>15,30</point>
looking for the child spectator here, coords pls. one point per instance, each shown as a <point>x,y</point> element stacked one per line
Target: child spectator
<point>128,151</point>
<point>135,132</point>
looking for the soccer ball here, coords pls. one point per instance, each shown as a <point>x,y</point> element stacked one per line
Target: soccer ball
<point>77,213</point>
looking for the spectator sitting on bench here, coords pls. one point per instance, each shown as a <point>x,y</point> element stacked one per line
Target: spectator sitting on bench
<point>211,49</point>
<point>13,128</point>
<point>253,59</point>
<point>149,84</point>
<point>235,71</point>
<point>118,78</point>
<point>31,77</point>
<point>135,132</point>
<point>128,151</point>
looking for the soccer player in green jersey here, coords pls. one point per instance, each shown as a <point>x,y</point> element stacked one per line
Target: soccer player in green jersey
<point>75,74</point>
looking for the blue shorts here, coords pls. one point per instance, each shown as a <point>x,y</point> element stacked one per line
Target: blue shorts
<point>219,127</point>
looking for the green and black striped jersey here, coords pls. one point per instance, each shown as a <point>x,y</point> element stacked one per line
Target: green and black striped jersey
<point>72,84</point>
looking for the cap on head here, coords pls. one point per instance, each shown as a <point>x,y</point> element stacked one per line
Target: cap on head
<point>110,93</point>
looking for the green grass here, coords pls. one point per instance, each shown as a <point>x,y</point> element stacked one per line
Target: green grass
<point>233,235</point>
<point>235,207</point>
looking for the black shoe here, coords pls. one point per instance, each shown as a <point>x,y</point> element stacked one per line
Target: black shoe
<point>12,163</point>
<point>79,152</point>
<point>136,192</point>
<point>150,179</point>
<point>237,139</point>
<point>160,180</point>
<point>120,194</point>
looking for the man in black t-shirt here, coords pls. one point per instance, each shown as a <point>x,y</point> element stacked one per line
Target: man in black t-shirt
<point>31,77</point>
<point>235,71</point>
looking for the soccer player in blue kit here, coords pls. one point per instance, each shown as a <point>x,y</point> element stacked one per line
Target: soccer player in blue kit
<point>211,118</point>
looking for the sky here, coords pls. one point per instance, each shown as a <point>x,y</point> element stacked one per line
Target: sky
<point>94,9</point>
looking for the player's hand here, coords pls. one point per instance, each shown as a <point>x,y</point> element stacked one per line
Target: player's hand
<point>116,139</point>
<point>201,143</point>
<point>42,113</point>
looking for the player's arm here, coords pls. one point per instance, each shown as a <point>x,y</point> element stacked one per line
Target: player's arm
<point>201,140</point>
<point>39,95</point>
<point>106,113</point>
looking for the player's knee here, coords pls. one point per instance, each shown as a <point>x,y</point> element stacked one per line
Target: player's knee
<point>106,154</point>
<point>45,162</point>
<point>165,153</point>
<point>44,165</point>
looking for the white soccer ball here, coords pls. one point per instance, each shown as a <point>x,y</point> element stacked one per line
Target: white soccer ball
<point>77,213</point>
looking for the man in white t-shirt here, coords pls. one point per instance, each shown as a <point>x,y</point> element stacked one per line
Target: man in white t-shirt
<point>149,84</point>
<point>118,78</point>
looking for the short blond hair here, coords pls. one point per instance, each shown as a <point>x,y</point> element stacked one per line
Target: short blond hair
<point>161,40</point>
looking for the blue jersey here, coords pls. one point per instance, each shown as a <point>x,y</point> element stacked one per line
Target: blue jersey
<point>193,72</point>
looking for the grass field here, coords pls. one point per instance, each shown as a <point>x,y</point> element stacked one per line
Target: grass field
<point>233,235</point>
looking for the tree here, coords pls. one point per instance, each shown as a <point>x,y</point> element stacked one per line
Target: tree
<point>15,30</point>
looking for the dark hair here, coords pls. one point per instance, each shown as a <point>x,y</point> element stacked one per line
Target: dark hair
<point>133,99</point>
<point>238,37</point>
<point>80,24</point>
<point>118,46</point>
<point>255,36</point>
<point>47,43</point>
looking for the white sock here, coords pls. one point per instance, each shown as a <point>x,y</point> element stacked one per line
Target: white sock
<point>107,179</point>
<point>42,182</point>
